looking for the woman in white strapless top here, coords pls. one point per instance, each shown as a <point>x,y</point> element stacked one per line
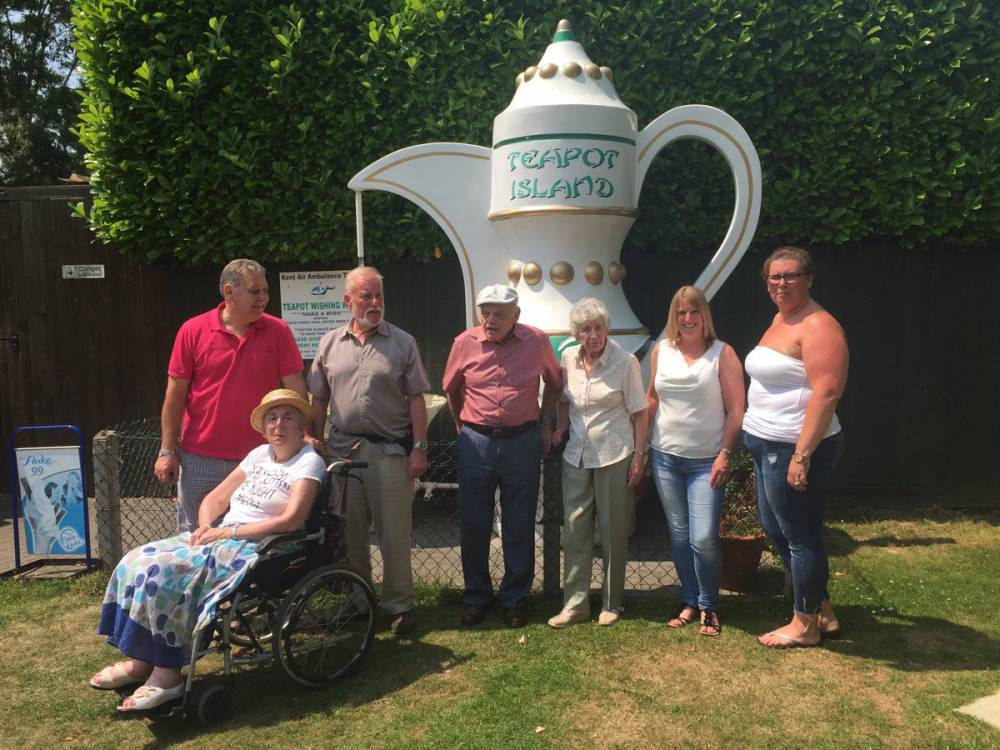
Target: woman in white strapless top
<point>696,406</point>
<point>797,374</point>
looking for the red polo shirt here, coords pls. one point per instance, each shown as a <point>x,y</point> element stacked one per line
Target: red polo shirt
<point>500,380</point>
<point>228,377</point>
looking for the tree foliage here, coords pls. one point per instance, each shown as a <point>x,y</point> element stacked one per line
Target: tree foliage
<point>225,128</point>
<point>37,102</point>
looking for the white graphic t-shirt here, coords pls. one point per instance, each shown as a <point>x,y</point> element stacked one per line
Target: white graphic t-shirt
<point>264,493</point>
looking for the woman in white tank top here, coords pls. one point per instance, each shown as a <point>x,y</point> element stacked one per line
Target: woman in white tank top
<point>798,372</point>
<point>696,407</point>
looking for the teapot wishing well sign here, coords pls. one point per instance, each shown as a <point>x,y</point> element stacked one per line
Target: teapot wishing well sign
<point>565,171</point>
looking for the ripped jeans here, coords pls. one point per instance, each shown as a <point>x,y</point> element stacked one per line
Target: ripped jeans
<point>793,520</point>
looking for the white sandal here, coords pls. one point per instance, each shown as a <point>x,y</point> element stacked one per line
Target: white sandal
<point>114,677</point>
<point>148,697</point>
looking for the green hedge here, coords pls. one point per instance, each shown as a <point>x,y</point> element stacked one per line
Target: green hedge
<point>231,127</point>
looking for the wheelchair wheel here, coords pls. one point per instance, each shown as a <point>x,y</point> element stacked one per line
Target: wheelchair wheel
<point>325,626</point>
<point>213,704</point>
<point>251,615</point>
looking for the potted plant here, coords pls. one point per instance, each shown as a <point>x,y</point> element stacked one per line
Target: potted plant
<point>739,527</point>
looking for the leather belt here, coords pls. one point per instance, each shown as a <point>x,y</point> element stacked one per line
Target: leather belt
<point>500,431</point>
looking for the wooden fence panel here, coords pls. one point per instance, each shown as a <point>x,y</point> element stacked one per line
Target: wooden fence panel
<point>920,410</point>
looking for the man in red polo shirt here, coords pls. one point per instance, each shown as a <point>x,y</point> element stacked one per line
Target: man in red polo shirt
<point>222,364</point>
<point>492,380</point>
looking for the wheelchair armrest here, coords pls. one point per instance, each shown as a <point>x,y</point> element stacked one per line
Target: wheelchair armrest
<point>267,543</point>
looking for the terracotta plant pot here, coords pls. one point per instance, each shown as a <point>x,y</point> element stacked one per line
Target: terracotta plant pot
<point>740,560</point>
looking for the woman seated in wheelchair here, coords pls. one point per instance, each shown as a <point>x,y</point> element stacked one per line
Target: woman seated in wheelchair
<point>160,592</point>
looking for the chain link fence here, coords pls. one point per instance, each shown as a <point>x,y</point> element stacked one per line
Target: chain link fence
<point>133,508</point>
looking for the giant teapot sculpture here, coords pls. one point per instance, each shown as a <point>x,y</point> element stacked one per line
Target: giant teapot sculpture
<point>547,208</point>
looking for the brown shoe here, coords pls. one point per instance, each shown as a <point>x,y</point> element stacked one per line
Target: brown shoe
<point>514,617</point>
<point>403,623</point>
<point>472,614</point>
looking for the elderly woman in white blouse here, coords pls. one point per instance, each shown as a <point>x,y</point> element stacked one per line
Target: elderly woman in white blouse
<point>603,407</point>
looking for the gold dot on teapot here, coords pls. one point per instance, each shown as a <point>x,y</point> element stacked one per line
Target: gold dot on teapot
<point>548,70</point>
<point>616,272</point>
<point>519,80</point>
<point>514,271</point>
<point>571,69</point>
<point>561,273</point>
<point>532,273</point>
<point>592,70</point>
<point>607,73</point>
<point>593,272</point>
<point>529,73</point>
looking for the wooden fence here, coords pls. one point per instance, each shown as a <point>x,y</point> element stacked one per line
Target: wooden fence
<point>922,327</point>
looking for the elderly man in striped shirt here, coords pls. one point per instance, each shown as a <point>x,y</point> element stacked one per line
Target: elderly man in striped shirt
<point>492,384</point>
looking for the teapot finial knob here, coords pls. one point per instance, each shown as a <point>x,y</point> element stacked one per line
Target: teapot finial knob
<point>564,32</point>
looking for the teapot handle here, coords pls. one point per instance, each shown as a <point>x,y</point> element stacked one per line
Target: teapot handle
<point>712,126</point>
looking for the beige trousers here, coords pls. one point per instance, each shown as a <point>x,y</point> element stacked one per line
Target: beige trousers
<point>385,498</point>
<point>584,491</point>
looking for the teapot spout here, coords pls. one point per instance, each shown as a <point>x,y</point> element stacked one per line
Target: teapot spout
<point>451,182</point>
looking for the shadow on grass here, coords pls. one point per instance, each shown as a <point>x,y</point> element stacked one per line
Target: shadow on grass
<point>266,696</point>
<point>914,643</point>
<point>841,542</point>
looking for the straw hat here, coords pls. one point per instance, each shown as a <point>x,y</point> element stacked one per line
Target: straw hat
<point>279,397</point>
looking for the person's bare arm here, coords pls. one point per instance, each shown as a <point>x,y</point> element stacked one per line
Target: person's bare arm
<point>418,419</point>
<point>216,502</point>
<point>300,500</point>
<point>734,401</point>
<point>652,397</point>
<point>167,468</point>
<point>637,466</point>
<point>826,359</point>
<point>296,382</point>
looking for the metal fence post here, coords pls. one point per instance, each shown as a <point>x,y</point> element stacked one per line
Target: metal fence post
<point>107,496</point>
<point>551,521</point>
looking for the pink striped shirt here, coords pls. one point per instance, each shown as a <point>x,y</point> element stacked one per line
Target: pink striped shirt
<point>499,381</point>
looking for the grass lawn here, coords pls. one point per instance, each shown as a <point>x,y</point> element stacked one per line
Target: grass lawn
<point>917,595</point>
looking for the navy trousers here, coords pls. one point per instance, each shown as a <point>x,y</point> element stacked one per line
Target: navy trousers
<point>513,464</point>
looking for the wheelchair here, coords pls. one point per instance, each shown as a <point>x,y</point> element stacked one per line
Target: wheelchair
<point>300,605</point>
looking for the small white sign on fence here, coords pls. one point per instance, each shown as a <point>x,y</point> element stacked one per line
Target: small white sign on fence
<point>312,303</point>
<point>83,271</point>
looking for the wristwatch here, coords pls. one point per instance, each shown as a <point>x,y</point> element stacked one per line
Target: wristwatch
<point>166,452</point>
<point>546,420</point>
<point>420,445</point>
<point>800,458</point>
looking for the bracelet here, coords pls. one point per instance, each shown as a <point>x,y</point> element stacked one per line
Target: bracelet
<point>234,530</point>
<point>166,452</point>
<point>727,451</point>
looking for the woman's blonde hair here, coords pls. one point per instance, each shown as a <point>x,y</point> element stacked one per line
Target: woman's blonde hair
<point>696,297</point>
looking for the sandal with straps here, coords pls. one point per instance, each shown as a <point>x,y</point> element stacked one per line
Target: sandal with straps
<point>710,623</point>
<point>678,616</point>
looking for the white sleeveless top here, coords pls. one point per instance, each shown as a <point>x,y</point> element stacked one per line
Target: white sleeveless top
<point>691,414</point>
<point>777,398</point>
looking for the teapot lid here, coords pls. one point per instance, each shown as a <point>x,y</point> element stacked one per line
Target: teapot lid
<point>565,75</point>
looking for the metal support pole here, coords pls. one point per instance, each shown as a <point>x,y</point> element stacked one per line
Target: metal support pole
<point>359,221</point>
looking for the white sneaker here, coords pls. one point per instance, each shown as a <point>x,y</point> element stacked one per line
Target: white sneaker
<point>567,617</point>
<point>608,617</point>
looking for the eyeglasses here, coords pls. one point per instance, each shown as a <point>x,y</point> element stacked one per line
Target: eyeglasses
<point>789,278</point>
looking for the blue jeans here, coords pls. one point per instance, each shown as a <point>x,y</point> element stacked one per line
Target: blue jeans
<point>793,520</point>
<point>514,465</point>
<point>692,507</point>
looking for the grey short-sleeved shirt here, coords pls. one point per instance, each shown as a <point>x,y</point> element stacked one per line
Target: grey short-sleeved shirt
<point>367,384</point>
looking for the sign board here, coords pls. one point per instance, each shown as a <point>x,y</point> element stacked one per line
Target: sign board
<point>50,486</point>
<point>84,271</point>
<point>312,303</point>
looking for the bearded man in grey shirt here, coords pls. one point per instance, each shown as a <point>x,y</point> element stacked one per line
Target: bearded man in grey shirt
<point>370,375</point>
